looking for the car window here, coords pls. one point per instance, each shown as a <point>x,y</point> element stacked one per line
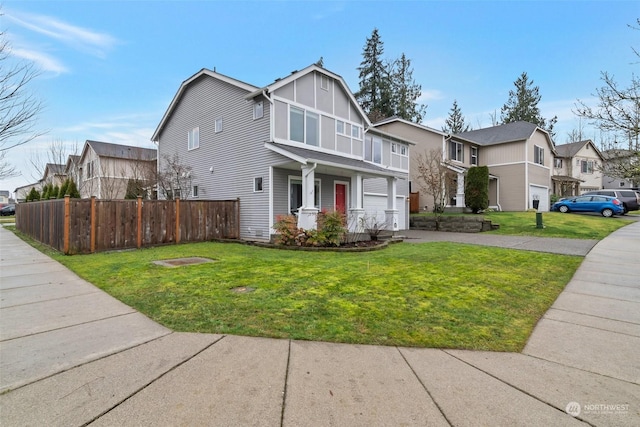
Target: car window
<point>599,199</point>
<point>608,193</point>
<point>582,199</point>
<point>628,194</point>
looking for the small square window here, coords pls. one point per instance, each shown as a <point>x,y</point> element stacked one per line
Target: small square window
<point>394,147</point>
<point>340,127</point>
<point>257,184</point>
<point>218,125</point>
<point>258,110</point>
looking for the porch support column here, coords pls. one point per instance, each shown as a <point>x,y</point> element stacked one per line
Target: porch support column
<point>460,202</point>
<point>308,213</point>
<point>356,212</point>
<point>391,213</point>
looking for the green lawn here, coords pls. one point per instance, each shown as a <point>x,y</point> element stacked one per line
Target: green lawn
<point>429,295</point>
<point>556,224</point>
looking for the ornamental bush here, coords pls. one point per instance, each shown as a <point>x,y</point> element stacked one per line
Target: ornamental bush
<point>476,188</point>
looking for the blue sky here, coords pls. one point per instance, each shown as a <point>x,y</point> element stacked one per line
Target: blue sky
<point>110,69</point>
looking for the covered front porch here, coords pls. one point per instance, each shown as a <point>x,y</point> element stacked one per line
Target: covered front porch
<point>565,186</point>
<point>307,182</point>
<point>455,191</point>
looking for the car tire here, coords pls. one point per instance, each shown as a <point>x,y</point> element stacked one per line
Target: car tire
<point>563,209</point>
<point>607,213</point>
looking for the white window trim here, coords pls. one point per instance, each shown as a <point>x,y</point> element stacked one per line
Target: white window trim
<point>218,125</point>
<point>324,78</point>
<point>305,126</point>
<point>258,107</point>
<point>451,151</point>
<point>317,182</point>
<point>195,192</point>
<point>473,158</point>
<point>343,132</point>
<point>255,181</point>
<point>540,154</point>
<point>193,142</point>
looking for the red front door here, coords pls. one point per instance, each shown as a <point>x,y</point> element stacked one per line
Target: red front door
<point>341,198</point>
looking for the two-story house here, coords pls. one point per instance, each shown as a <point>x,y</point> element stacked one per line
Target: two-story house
<point>519,155</point>
<point>104,170</point>
<point>298,145</point>
<point>577,168</point>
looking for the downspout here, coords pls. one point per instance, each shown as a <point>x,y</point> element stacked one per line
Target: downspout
<point>271,115</point>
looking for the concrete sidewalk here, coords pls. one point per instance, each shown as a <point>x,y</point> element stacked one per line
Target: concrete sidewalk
<point>72,355</point>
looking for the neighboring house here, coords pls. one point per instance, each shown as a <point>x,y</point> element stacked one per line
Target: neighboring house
<point>5,197</point>
<point>577,168</point>
<point>104,169</point>
<point>615,162</point>
<point>72,168</point>
<point>519,156</point>
<point>22,192</point>
<point>53,174</point>
<point>425,139</point>
<point>298,145</point>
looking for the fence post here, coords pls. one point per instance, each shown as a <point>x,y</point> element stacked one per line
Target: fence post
<point>238,218</point>
<point>177,220</point>
<point>139,205</point>
<point>67,224</point>
<point>92,237</point>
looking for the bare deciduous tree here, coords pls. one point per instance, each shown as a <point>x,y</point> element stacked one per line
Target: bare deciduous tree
<point>174,178</point>
<point>434,178</point>
<point>18,107</point>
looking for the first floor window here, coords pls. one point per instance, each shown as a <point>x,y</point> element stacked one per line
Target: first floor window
<point>455,151</point>
<point>295,194</point>
<point>194,138</point>
<point>538,155</point>
<point>218,125</point>
<point>257,184</point>
<point>194,191</point>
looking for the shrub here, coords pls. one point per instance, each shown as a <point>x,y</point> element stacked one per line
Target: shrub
<point>287,228</point>
<point>331,230</point>
<point>63,189</point>
<point>332,226</point>
<point>476,189</point>
<point>72,190</point>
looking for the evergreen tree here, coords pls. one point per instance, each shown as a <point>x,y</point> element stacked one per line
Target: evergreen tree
<point>63,189</point>
<point>455,123</point>
<point>45,192</point>
<point>405,91</point>
<point>34,195</point>
<point>53,192</point>
<point>72,190</point>
<point>476,188</point>
<point>374,95</point>
<point>522,105</point>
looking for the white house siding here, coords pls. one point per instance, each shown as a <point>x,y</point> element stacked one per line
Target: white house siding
<point>236,154</point>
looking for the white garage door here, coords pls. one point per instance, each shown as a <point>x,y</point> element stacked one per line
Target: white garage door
<point>376,204</point>
<point>541,194</point>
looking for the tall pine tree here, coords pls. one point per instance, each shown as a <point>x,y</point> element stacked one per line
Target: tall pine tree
<point>455,123</point>
<point>522,105</point>
<point>374,95</point>
<point>405,91</point>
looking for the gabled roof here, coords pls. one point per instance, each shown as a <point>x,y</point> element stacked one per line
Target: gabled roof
<point>118,151</point>
<point>53,169</point>
<point>278,83</point>
<point>204,72</point>
<point>401,120</point>
<point>72,160</point>
<point>510,132</point>
<point>571,149</point>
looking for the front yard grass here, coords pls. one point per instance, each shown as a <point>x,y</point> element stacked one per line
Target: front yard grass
<point>556,224</point>
<point>442,295</point>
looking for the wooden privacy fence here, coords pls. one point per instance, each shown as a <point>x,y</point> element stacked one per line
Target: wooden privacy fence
<point>75,226</point>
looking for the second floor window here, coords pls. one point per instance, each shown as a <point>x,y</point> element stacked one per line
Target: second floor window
<point>538,155</point>
<point>474,156</point>
<point>586,166</point>
<point>258,110</point>
<point>373,149</point>
<point>355,131</point>
<point>193,139</point>
<point>455,151</point>
<point>304,126</point>
<point>557,162</point>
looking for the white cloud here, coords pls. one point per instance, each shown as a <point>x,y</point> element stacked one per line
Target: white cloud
<point>82,39</point>
<point>44,61</point>
<point>430,95</point>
